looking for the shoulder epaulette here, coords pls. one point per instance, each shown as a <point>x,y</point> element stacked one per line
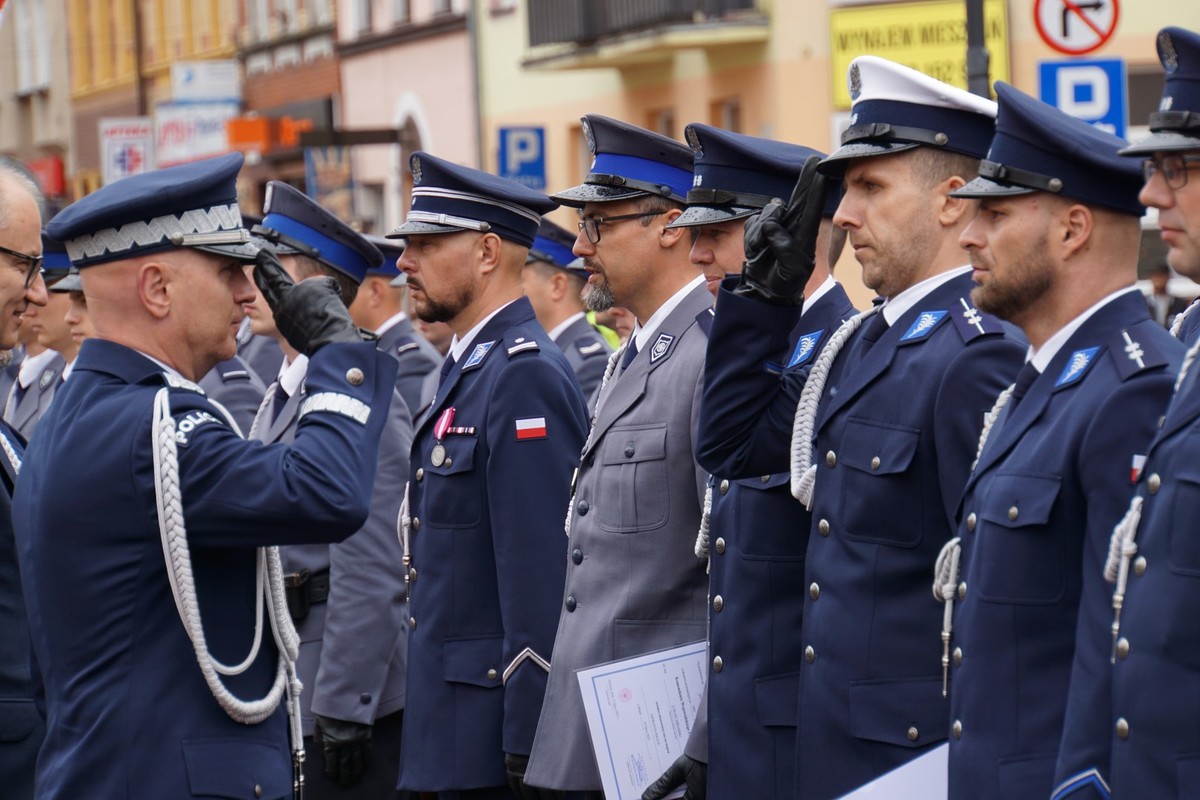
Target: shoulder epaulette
<point>232,370</point>
<point>405,345</point>
<point>1133,352</point>
<point>589,346</point>
<point>180,382</point>
<point>972,323</point>
<point>521,344</point>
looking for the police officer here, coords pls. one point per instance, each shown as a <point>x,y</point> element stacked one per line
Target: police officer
<point>44,367</point>
<point>20,718</point>
<point>157,608</point>
<point>347,599</point>
<point>633,583</point>
<point>1055,247</point>
<point>1131,727</point>
<point>756,560</point>
<point>886,424</point>
<point>554,287</point>
<point>492,463</point>
<point>379,307</point>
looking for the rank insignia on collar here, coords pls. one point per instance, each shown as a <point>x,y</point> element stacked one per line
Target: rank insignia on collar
<point>1076,366</point>
<point>925,323</point>
<point>478,354</point>
<point>805,347</point>
<point>662,346</point>
<point>971,315</point>
<point>46,379</point>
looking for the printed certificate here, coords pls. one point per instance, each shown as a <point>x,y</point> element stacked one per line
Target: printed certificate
<point>924,778</point>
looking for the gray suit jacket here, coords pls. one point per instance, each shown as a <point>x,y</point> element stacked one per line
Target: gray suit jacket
<point>24,415</point>
<point>586,352</point>
<point>353,648</point>
<point>418,359</point>
<point>634,584</point>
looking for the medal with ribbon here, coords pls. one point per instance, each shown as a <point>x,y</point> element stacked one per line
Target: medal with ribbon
<point>438,455</point>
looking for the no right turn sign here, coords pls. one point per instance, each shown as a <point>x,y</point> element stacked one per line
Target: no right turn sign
<point>1075,27</point>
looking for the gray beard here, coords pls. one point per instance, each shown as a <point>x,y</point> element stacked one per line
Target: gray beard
<point>6,358</point>
<point>598,297</point>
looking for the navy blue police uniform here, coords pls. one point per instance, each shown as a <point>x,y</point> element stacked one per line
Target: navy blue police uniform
<point>893,436</point>
<point>130,713</point>
<point>1053,479</point>
<point>484,559</point>
<point>756,560</point>
<point>1130,727</point>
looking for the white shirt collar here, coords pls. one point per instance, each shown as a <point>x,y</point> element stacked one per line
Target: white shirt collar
<point>68,369</point>
<point>33,366</point>
<point>642,333</point>
<point>562,326</point>
<point>896,307</point>
<point>459,346</point>
<point>293,374</point>
<point>1042,357</point>
<point>390,323</point>
<point>821,290</point>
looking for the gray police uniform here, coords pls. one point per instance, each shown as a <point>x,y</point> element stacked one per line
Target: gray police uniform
<point>586,352</point>
<point>26,405</point>
<point>235,386</point>
<point>418,360</point>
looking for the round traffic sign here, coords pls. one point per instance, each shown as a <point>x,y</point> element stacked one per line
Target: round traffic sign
<point>1075,27</point>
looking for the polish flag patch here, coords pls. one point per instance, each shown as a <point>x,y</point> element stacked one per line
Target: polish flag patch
<point>1135,471</point>
<point>531,428</point>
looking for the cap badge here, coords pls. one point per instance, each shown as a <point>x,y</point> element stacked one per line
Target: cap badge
<point>589,136</point>
<point>1166,52</point>
<point>693,141</point>
<point>416,170</point>
<point>267,198</point>
<point>855,82</point>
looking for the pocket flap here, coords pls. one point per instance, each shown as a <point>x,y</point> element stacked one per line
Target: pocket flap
<point>1017,500</point>
<point>878,449</point>
<point>631,445</point>
<point>778,698</point>
<point>459,456</point>
<point>765,482</point>
<point>908,712</point>
<point>635,637</point>
<point>239,769</point>
<point>470,660</point>
<point>18,718</point>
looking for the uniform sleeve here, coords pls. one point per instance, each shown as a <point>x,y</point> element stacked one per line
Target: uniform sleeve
<point>528,487</point>
<point>364,618</point>
<point>746,410</point>
<point>1122,428</point>
<point>238,493</point>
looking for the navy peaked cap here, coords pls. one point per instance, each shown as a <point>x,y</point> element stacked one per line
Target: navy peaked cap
<point>1176,124</point>
<point>391,249</point>
<point>736,175</point>
<point>55,261</point>
<point>1038,148</point>
<point>628,162</point>
<point>896,108</point>
<point>450,198</point>
<point>553,245</point>
<point>191,205</point>
<point>301,225</point>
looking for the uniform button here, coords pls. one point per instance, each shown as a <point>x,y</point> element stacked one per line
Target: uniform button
<point>354,376</point>
<point>415,524</point>
<point>810,655</point>
<point>913,734</point>
<point>629,451</point>
<point>365,698</point>
<point>1153,483</point>
<point>962,590</point>
<point>718,664</point>
<point>831,459</point>
<point>718,603</point>
<point>491,674</point>
<point>582,507</point>
<point>412,575</point>
<point>1012,513</point>
<point>957,728</point>
<point>724,487</point>
<point>420,474</point>
<point>766,479</point>
<point>971,521</point>
<point>814,591</point>
<point>1122,647</point>
<point>570,604</point>
<point>1139,566</point>
<point>958,656</point>
<point>257,790</point>
<point>1122,729</point>
<point>823,527</point>
<point>412,622</point>
<point>577,556</point>
<point>720,544</point>
<point>875,462</point>
<point>448,462</point>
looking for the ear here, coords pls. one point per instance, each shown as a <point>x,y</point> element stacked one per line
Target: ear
<point>669,237</point>
<point>1076,224</point>
<point>488,249</point>
<point>154,288</point>
<point>558,285</point>
<point>953,210</point>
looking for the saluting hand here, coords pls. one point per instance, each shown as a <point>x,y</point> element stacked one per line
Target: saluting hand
<point>310,314</point>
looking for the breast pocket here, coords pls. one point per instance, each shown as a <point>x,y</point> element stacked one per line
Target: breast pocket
<point>1019,561</point>
<point>1183,500</point>
<point>771,524</point>
<point>633,494</point>
<point>452,489</point>
<point>881,493</point>
<point>237,769</point>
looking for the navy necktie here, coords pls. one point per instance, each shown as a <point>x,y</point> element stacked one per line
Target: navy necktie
<point>874,328</point>
<point>630,353</point>
<point>279,398</point>
<point>1025,379</point>
<point>447,365</point>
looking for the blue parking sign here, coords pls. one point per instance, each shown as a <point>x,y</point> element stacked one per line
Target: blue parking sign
<point>523,156</point>
<point>1092,90</point>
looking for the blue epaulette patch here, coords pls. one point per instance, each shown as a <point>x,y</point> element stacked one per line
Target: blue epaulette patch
<point>806,346</point>
<point>1077,366</point>
<point>705,320</point>
<point>925,324</point>
<point>1133,352</point>
<point>478,355</point>
<point>973,323</point>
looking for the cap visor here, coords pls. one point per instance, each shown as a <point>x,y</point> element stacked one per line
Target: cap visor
<point>985,187</point>
<point>418,228</point>
<point>577,196</point>
<point>68,283</point>
<point>399,280</point>
<point>1161,141</point>
<point>246,251</point>
<point>693,216</point>
<point>835,163</point>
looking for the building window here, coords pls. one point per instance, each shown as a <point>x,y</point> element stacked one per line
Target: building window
<point>362,16</point>
<point>401,12</point>
<point>497,7</point>
<point>257,17</point>
<point>441,7</point>
<point>727,114</point>
<point>322,12</point>
<point>285,10</point>
<point>33,46</point>
<point>662,120</point>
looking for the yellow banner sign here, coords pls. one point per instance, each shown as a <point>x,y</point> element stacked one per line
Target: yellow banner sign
<point>930,37</point>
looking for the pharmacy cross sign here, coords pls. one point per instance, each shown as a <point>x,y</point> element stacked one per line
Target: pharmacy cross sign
<point>1075,27</point>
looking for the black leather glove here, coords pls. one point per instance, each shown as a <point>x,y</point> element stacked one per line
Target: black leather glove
<point>347,749</point>
<point>686,771</point>
<point>310,314</point>
<point>515,766</point>
<point>781,242</point>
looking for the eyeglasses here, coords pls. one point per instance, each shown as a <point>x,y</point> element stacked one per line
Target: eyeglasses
<point>591,225</point>
<point>1174,169</point>
<point>34,264</point>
